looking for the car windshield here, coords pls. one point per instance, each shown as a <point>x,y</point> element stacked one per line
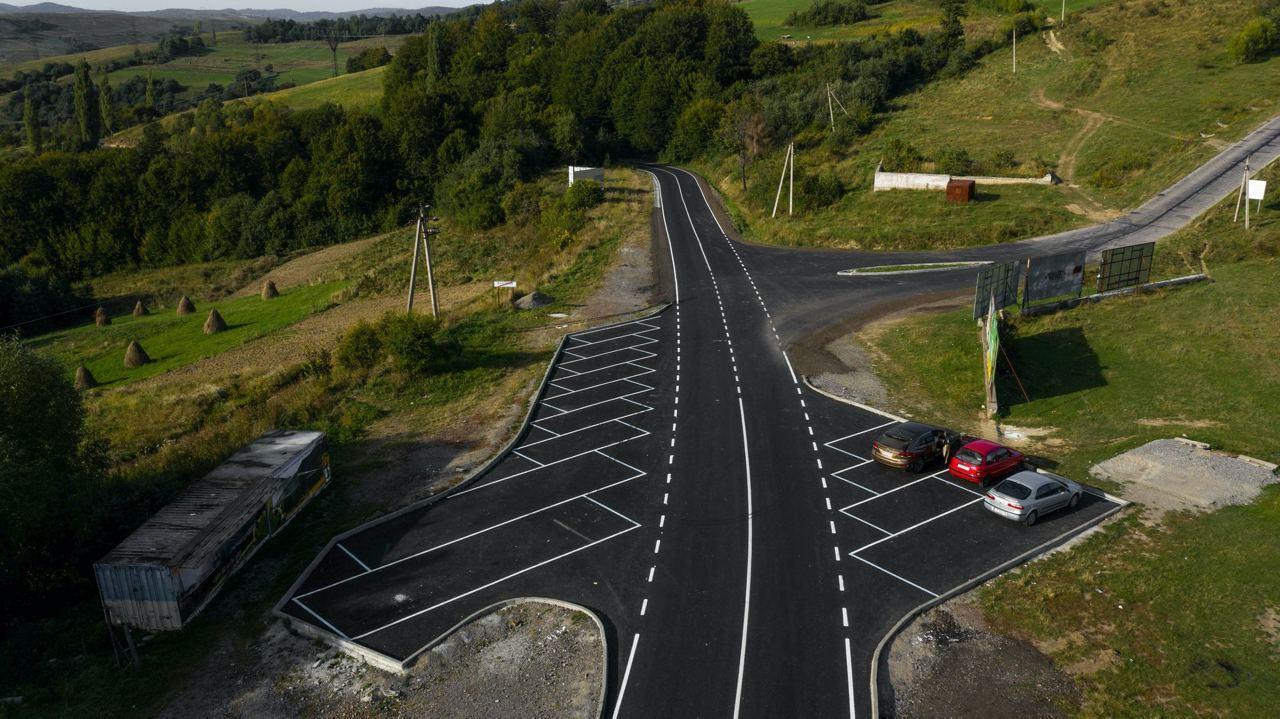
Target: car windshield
<point>1010,488</point>
<point>970,456</point>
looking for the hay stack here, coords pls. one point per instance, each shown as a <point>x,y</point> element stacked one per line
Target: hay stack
<point>214,324</point>
<point>269,290</point>
<point>135,356</point>
<point>186,306</point>
<point>139,309</point>
<point>100,317</point>
<point>84,378</point>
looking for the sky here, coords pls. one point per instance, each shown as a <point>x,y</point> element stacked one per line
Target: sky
<point>315,5</point>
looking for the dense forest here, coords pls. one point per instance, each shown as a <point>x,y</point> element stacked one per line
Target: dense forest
<point>472,108</point>
<point>345,27</point>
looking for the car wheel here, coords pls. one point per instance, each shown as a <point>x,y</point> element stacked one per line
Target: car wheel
<point>1075,499</point>
<point>1031,518</point>
<point>916,465</point>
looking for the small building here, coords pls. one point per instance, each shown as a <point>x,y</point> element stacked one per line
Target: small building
<point>960,192</point>
<point>586,173</point>
<point>168,570</point>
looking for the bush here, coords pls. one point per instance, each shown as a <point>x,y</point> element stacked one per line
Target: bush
<point>695,129</point>
<point>360,349</point>
<point>583,195</point>
<point>830,12</point>
<point>368,59</point>
<point>900,156</point>
<point>1256,42</point>
<point>1117,169</point>
<point>954,162</point>
<point>819,191</point>
<point>522,203</point>
<point>412,342</point>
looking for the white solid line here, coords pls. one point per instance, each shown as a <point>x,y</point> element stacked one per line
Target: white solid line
<point>644,606</point>
<point>789,368</point>
<point>616,337</point>
<point>582,358</point>
<point>859,486</point>
<point>746,605</point>
<point>855,434</point>
<point>891,491</point>
<point>548,464</point>
<point>322,619</point>
<point>675,279</point>
<point>576,335</point>
<point>354,557</point>
<point>612,381</point>
<point>895,576</point>
<point>590,426</point>
<point>844,616</point>
<point>624,397</point>
<point>610,509</point>
<point>544,429</point>
<point>848,675</point>
<point>490,584</point>
<point>622,688</point>
<point>639,472</point>
<point>917,524</point>
<point>869,524</point>
<point>697,237</point>
<point>517,453</point>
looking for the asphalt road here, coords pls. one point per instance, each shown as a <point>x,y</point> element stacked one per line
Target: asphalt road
<point>680,481</point>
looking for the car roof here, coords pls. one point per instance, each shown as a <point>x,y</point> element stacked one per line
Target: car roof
<point>982,446</point>
<point>914,428</point>
<point>1034,480</point>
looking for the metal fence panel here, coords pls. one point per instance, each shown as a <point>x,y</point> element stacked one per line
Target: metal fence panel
<point>1000,279</point>
<point>1054,276</point>
<point>1126,266</point>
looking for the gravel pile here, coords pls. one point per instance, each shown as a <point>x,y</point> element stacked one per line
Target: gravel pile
<point>1171,474</point>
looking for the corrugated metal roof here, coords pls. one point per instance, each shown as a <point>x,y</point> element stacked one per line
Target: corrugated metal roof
<point>216,505</point>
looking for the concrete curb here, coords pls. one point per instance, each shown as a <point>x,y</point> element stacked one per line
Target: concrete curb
<point>859,405</point>
<point>391,664</point>
<point>942,267</point>
<point>975,582</point>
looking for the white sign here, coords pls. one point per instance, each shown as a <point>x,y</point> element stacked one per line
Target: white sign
<point>1257,188</point>
<point>585,173</point>
<point>505,283</point>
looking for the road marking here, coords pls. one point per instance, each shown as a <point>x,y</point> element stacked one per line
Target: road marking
<point>675,279</point>
<point>644,606</point>
<point>490,584</point>
<point>548,464</point>
<point>622,688</point>
<point>833,524</point>
<point>354,557</point>
<point>789,368</point>
<point>869,524</point>
<point>890,491</point>
<point>855,434</point>
<point>571,530</point>
<point>322,619</point>
<point>580,429</point>
<point>895,576</point>
<point>609,509</point>
<point>917,524</point>
<point>612,381</point>
<point>517,453</point>
<point>837,550</point>
<point>823,480</point>
<point>826,499</point>
<point>848,676</point>
<point>746,607</point>
<point>639,472</point>
<point>841,578</point>
<point>662,521</point>
<point>651,570</point>
<point>657,546</point>
<point>844,616</point>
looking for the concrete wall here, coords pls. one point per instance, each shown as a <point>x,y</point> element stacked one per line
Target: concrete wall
<point>926,181</point>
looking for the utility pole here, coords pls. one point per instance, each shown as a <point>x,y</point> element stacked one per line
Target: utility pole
<point>1063,19</point>
<point>424,232</point>
<point>830,109</point>
<point>1015,49</point>
<point>1243,195</point>
<point>788,161</point>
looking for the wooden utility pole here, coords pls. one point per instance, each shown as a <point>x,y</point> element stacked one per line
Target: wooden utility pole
<point>421,230</point>
<point>830,109</point>
<point>1243,195</point>
<point>1063,20</point>
<point>788,161</point>
<point>1015,49</point>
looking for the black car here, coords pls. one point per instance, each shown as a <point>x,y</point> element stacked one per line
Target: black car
<point>912,445</point>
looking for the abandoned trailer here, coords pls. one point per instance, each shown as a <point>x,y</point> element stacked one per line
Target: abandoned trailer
<point>163,574</point>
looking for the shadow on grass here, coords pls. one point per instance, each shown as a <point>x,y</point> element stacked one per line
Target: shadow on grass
<point>1050,364</point>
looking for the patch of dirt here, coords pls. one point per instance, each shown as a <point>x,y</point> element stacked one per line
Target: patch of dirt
<point>1054,43</point>
<point>948,663</point>
<point>1177,422</point>
<point>527,660</point>
<point>1269,623</point>
<point>1175,474</point>
<point>307,268</point>
<point>842,359</point>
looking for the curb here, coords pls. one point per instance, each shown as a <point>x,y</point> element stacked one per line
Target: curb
<point>859,405</point>
<point>975,582</point>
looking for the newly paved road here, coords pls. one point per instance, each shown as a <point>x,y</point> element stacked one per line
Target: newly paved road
<point>679,481</point>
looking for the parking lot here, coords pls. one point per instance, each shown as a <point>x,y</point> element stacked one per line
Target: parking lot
<point>928,530</point>
<point>550,514</point>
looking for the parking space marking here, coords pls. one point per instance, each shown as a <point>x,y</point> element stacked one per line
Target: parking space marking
<point>354,557</point>
<point>914,526</point>
<point>581,429</point>
<point>611,366</point>
<point>575,335</point>
<point>321,619</point>
<point>855,434</point>
<point>582,357</point>
<point>517,453</point>
<point>612,381</point>
<point>625,397</point>
<point>891,491</point>
<point>895,576</point>
<point>493,583</point>
<point>869,524</point>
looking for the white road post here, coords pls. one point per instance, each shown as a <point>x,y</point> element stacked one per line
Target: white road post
<point>781,179</point>
<point>791,185</point>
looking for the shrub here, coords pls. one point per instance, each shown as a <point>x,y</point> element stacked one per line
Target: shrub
<point>1255,42</point>
<point>954,161</point>
<point>413,343</point>
<point>521,203</point>
<point>822,190</point>
<point>583,195</point>
<point>1118,168</point>
<point>360,349</point>
<point>695,129</point>
<point>830,12</point>
<point>900,156</point>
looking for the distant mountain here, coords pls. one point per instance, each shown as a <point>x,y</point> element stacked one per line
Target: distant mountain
<point>274,14</point>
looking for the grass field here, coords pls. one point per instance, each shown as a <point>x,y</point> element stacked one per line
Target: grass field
<point>769,17</point>
<point>299,62</point>
<point>359,90</point>
<point>172,341</point>
<point>1140,94</point>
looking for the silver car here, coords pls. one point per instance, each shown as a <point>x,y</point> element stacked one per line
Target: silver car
<point>1026,496</point>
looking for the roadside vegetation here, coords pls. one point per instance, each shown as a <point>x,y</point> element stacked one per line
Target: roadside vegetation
<point>377,382</point>
<point>1172,614</point>
<point>1122,101</point>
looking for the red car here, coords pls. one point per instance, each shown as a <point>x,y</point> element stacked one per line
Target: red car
<point>982,461</point>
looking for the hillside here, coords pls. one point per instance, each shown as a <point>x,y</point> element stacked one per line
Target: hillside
<point>30,39</point>
<point>1119,103</point>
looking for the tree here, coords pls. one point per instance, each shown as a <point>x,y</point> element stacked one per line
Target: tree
<point>743,131</point>
<point>150,100</point>
<point>952,27</point>
<point>31,118</point>
<point>105,105</point>
<point>86,104</point>
<point>1255,42</point>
